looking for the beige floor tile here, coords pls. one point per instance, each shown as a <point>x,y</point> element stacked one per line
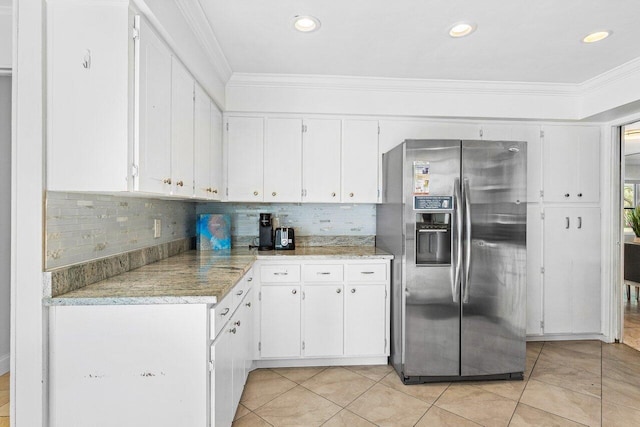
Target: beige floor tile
<point>4,422</point>
<point>557,355</point>
<point>241,411</point>
<point>527,416</point>
<point>620,352</point>
<point>436,417</point>
<point>569,374</point>
<point>373,372</point>
<point>299,375</point>
<point>620,392</point>
<point>509,389</point>
<point>264,385</point>
<point>534,347</point>
<point>339,385</point>
<point>4,382</point>
<point>476,404</point>
<point>619,416</point>
<point>385,406</point>
<point>298,407</point>
<point>346,418</point>
<point>250,420</point>
<point>560,401</point>
<point>4,410</point>
<point>592,347</point>
<point>426,392</point>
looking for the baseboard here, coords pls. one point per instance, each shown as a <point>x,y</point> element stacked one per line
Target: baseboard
<point>338,361</point>
<point>567,337</point>
<point>4,363</point>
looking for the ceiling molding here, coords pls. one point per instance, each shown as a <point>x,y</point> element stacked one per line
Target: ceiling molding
<point>401,84</point>
<point>201,27</point>
<point>611,76</point>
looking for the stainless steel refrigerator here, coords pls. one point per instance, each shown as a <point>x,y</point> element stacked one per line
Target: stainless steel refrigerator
<point>454,215</point>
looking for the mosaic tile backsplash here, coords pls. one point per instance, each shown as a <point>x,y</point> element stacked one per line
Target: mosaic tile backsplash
<point>83,227</point>
<point>314,224</point>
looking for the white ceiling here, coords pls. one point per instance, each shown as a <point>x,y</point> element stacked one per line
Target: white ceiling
<point>516,40</point>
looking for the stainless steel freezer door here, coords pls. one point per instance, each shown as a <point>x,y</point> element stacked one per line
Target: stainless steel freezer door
<point>494,296</point>
<point>432,312</point>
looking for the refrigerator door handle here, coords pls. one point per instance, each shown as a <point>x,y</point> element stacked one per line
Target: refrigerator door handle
<point>457,262</point>
<point>467,237</point>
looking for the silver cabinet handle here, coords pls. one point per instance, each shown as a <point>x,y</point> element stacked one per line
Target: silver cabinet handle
<point>579,222</point>
<point>366,272</point>
<point>225,312</point>
<point>353,290</point>
<point>237,323</point>
<point>280,273</point>
<point>233,331</point>
<point>294,291</point>
<point>324,273</point>
<point>240,292</point>
<point>568,222</point>
<point>338,290</point>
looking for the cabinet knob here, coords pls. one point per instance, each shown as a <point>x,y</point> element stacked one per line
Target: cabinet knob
<point>255,193</point>
<point>333,194</point>
<point>179,183</point>
<point>233,331</point>
<point>249,279</point>
<point>209,190</point>
<point>274,194</point>
<point>248,304</point>
<point>167,181</point>
<point>237,323</point>
<point>338,290</point>
<point>294,291</point>
<point>214,191</point>
<point>579,194</point>
<point>566,195</point>
<point>350,194</point>
<point>353,290</point>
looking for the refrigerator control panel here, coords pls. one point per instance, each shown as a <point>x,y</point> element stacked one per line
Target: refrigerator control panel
<point>422,203</point>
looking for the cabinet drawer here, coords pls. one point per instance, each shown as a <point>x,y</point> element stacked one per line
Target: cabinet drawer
<point>323,273</point>
<point>241,289</point>
<point>283,273</point>
<point>366,272</point>
<point>220,314</point>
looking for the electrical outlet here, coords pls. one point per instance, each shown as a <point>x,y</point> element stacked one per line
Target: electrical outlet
<point>157,228</point>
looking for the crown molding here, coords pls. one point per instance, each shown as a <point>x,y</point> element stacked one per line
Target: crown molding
<point>611,76</point>
<point>196,18</point>
<point>379,84</point>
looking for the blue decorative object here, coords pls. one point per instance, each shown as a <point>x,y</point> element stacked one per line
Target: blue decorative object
<point>213,232</point>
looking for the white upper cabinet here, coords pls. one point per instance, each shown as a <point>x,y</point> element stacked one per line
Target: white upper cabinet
<point>571,164</point>
<point>245,142</point>
<point>202,143</point>
<point>359,160</point>
<point>88,96</point>
<point>182,88</point>
<point>283,160</point>
<point>321,160</point>
<point>153,139</point>
<point>215,168</point>
<point>530,134</point>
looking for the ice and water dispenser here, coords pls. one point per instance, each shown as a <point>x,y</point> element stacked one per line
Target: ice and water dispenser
<point>433,238</point>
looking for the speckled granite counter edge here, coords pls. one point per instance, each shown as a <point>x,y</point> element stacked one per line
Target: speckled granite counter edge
<point>131,300</point>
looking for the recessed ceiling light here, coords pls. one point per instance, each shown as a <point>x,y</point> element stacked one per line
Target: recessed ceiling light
<point>306,24</point>
<point>462,29</point>
<point>596,36</point>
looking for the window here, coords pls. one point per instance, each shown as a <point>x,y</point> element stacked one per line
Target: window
<point>631,200</point>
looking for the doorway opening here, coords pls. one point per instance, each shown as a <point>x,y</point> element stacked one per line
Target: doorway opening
<point>5,243</point>
<point>630,177</point>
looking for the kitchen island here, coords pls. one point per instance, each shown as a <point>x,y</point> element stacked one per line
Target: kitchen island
<point>172,342</point>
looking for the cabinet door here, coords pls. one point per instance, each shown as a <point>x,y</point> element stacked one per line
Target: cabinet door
<point>245,139</point>
<point>560,160</point>
<point>360,161</point>
<point>153,150</point>
<point>182,88</point>
<point>364,326</point>
<point>586,297</point>
<point>222,378</point>
<point>321,161</point>
<point>202,144</point>
<point>283,160</point>
<point>558,270</point>
<point>216,153</point>
<point>323,320</point>
<point>587,148</point>
<point>280,321</point>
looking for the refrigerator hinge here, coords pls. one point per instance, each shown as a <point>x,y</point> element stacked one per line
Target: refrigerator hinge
<point>211,365</point>
<point>541,134</point>
<point>542,270</point>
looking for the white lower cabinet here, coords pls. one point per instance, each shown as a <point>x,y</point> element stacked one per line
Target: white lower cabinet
<point>343,311</point>
<point>222,379</point>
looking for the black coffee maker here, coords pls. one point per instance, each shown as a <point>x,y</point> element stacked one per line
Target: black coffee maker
<point>266,233</point>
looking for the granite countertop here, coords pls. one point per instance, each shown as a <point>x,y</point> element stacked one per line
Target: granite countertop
<point>195,277</point>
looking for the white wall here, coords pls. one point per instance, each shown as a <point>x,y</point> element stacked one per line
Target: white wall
<point>5,37</point>
<point>5,220</point>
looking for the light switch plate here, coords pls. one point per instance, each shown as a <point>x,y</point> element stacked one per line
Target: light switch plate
<point>157,228</point>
